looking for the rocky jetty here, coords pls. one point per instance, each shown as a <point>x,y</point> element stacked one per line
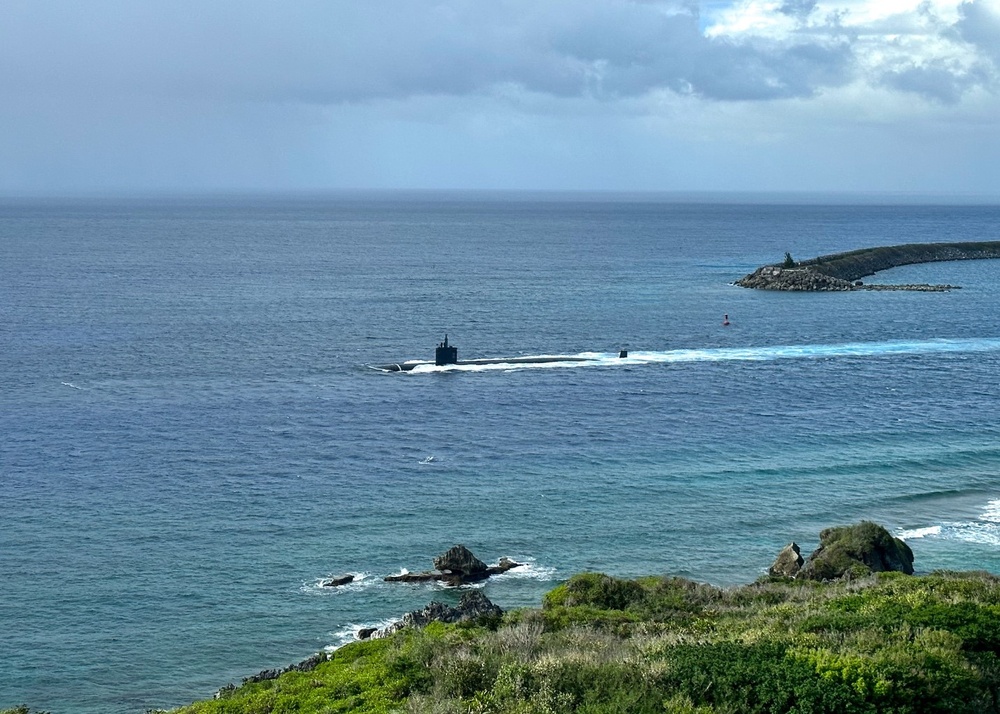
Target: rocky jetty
<point>457,566</point>
<point>843,271</point>
<point>807,279</point>
<point>846,552</point>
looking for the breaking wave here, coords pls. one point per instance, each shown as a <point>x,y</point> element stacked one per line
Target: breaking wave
<point>985,530</point>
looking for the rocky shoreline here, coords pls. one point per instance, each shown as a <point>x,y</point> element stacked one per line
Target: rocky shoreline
<point>841,272</point>
<point>844,553</point>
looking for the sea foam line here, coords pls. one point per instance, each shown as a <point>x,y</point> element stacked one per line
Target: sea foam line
<point>735,354</point>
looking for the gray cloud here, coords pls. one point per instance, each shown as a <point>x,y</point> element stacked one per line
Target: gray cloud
<point>800,9</point>
<point>980,27</point>
<point>938,81</point>
<point>330,52</point>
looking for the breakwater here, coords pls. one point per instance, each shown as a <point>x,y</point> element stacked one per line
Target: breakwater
<point>843,271</point>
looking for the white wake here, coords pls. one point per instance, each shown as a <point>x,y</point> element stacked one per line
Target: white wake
<point>732,354</point>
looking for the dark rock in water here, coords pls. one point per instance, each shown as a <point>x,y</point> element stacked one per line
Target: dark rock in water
<point>456,567</point>
<point>503,566</point>
<point>337,582</point>
<point>855,551</point>
<point>366,632</point>
<point>788,562</point>
<point>414,577</point>
<point>306,665</point>
<point>473,606</point>
<point>460,561</point>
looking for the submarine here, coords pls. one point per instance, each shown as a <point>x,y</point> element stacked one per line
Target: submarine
<point>446,354</point>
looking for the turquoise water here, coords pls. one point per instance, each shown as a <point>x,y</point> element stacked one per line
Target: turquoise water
<point>192,439</point>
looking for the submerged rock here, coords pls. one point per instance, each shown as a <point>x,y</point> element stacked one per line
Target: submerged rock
<point>788,563</point>
<point>856,551</point>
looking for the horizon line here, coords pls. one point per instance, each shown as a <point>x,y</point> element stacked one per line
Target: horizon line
<point>719,196</point>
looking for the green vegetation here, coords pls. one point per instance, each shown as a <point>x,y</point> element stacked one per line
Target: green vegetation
<point>789,261</point>
<point>885,642</point>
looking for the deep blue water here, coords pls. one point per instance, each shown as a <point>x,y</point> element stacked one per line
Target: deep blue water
<point>190,438</point>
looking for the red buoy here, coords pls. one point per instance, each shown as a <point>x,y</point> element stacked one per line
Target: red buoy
<point>725,320</point>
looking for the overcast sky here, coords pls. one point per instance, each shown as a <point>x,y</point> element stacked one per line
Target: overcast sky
<point>768,95</point>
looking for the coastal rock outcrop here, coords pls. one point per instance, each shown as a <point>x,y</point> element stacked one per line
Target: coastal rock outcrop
<point>856,551</point>
<point>788,563</point>
<point>306,665</point>
<point>459,560</point>
<point>473,606</point>
<point>457,566</point>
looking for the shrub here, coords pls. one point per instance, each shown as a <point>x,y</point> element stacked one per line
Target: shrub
<point>597,590</point>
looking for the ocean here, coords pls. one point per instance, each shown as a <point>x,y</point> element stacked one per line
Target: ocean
<point>192,437</point>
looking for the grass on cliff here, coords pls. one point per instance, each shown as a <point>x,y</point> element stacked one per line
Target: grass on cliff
<point>885,643</point>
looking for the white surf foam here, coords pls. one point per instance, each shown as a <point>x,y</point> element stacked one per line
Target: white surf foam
<point>992,512</point>
<point>915,533</point>
<point>980,533</point>
<point>529,570</point>
<point>985,530</point>
<point>70,384</point>
<point>733,354</point>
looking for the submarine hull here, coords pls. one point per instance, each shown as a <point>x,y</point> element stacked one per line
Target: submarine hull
<point>408,366</point>
<point>446,355</point>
